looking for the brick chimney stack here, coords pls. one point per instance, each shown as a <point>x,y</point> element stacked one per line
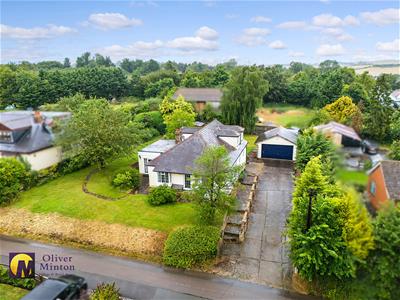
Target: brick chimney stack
<point>178,135</point>
<point>37,117</point>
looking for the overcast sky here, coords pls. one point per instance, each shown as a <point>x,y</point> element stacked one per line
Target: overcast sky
<point>263,32</point>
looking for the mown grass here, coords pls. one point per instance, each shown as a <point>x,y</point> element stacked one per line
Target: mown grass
<point>286,115</point>
<point>351,177</point>
<point>64,195</point>
<point>251,142</point>
<point>8,292</point>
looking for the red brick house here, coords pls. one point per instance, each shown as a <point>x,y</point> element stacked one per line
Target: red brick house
<point>384,183</point>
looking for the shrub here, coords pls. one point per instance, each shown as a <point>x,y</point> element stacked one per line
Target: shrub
<point>127,179</point>
<point>13,178</point>
<point>28,283</point>
<point>188,246</point>
<point>105,291</point>
<point>162,194</point>
<point>151,119</point>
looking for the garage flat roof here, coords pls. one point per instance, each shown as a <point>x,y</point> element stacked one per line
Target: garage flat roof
<point>159,146</point>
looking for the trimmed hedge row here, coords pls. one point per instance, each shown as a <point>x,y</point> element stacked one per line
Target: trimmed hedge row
<point>189,246</point>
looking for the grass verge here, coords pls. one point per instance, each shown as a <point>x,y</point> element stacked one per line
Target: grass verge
<point>8,292</point>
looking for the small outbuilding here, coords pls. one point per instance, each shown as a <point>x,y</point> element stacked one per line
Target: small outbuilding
<point>340,134</point>
<point>278,143</point>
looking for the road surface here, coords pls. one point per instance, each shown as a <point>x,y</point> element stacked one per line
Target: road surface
<point>139,280</point>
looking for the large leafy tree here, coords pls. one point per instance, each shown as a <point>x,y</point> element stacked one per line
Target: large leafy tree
<point>213,176</point>
<point>385,259</point>
<point>379,110</point>
<point>330,231</point>
<point>98,133</point>
<point>344,111</point>
<point>277,77</point>
<point>395,150</point>
<point>242,96</point>
<point>176,114</point>
<point>311,144</point>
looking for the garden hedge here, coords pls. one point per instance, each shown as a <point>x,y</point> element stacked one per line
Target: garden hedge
<point>189,246</point>
<point>28,283</point>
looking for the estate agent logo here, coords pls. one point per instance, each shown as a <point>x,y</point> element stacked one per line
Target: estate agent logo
<point>21,265</point>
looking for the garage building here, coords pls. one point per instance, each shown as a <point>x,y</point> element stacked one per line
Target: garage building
<point>278,143</point>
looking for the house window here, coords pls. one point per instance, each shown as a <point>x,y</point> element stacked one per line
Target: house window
<point>188,182</point>
<point>372,188</point>
<point>146,168</point>
<point>5,136</point>
<point>163,177</point>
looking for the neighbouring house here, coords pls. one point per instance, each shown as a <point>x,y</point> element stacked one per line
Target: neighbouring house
<point>200,97</point>
<point>28,135</point>
<point>340,134</point>
<point>395,96</point>
<point>277,143</point>
<point>384,182</point>
<point>171,162</point>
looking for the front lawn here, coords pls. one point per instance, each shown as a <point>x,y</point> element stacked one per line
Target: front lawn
<point>8,292</point>
<point>65,196</point>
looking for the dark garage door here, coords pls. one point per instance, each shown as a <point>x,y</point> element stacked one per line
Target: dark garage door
<point>277,151</point>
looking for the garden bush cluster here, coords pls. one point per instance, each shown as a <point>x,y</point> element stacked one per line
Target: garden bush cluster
<point>162,194</point>
<point>105,291</point>
<point>189,246</point>
<point>28,283</point>
<point>127,179</point>
<point>15,175</point>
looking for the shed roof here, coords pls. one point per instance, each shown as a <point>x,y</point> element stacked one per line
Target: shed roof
<point>199,94</point>
<point>284,133</point>
<point>339,128</point>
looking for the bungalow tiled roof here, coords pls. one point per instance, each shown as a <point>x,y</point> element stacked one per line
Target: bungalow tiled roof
<point>181,158</point>
<point>199,94</point>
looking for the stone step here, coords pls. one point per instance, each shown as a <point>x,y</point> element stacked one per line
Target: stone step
<point>231,238</point>
<point>235,219</point>
<point>232,230</point>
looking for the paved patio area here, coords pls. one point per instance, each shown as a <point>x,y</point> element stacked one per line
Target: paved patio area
<point>262,257</point>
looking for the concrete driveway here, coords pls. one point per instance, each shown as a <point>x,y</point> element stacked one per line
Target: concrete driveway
<point>262,257</point>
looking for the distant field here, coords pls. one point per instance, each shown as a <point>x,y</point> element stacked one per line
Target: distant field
<point>377,70</point>
<point>285,115</point>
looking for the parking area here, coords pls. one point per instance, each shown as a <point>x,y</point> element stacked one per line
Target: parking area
<point>263,257</point>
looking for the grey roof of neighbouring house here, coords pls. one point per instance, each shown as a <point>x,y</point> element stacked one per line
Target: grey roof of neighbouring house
<point>287,134</point>
<point>339,128</point>
<point>15,121</point>
<point>37,136</point>
<point>181,158</point>
<point>159,146</point>
<point>34,139</point>
<point>189,130</point>
<point>391,175</point>
<point>199,94</point>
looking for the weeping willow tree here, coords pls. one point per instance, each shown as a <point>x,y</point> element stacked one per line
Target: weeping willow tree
<point>243,94</point>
